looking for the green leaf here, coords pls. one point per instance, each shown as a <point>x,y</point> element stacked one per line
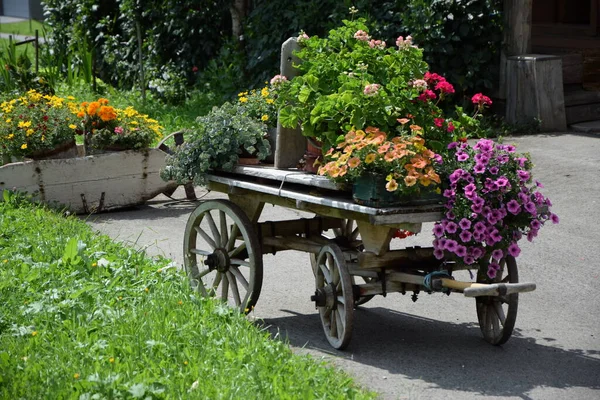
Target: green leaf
<point>312,81</point>
<point>70,252</point>
<point>287,117</point>
<point>6,195</point>
<point>304,94</point>
<point>138,390</point>
<point>358,119</point>
<point>436,146</point>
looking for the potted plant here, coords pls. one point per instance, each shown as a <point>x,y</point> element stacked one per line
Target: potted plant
<point>382,171</point>
<point>107,128</point>
<point>260,105</point>
<point>37,126</point>
<point>350,80</point>
<point>492,202</point>
<point>217,142</point>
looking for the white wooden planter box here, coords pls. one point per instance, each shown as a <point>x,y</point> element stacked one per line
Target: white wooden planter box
<point>91,183</point>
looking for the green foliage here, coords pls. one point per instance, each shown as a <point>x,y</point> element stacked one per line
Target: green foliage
<point>219,139</point>
<point>177,35</point>
<point>82,317</point>
<point>460,39</point>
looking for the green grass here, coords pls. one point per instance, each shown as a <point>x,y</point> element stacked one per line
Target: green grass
<point>23,28</point>
<point>83,317</point>
<point>28,48</point>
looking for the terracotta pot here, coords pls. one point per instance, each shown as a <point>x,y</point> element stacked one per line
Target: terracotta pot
<point>312,155</point>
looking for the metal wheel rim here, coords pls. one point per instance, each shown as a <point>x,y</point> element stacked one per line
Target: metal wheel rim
<point>497,314</point>
<point>209,233</point>
<point>337,320</point>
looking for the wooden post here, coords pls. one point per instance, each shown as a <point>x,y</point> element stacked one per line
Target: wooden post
<point>291,145</point>
<point>517,35</point>
<point>534,90</point>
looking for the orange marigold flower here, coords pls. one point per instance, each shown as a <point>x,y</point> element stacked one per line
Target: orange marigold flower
<point>93,107</point>
<point>103,101</point>
<point>107,113</point>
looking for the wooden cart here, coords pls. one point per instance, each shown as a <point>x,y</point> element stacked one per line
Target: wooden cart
<point>224,244</point>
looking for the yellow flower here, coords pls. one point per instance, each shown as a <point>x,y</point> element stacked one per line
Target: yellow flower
<point>111,360</point>
<point>94,264</point>
<point>265,117</point>
<point>24,124</point>
<point>8,120</point>
<point>185,363</point>
<point>243,99</point>
<point>23,146</point>
<point>264,92</point>
<point>34,333</point>
<point>70,98</point>
<point>76,376</point>
<point>391,186</point>
<point>12,135</point>
<point>72,126</point>
<point>370,158</point>
<point>270,101</point>
<point>146,290</point>
<point>4,261</point>
<point>410,180</point>
<point>180,302</point>
<point>29,132</point>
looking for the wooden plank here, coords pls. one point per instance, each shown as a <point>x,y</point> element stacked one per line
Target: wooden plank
<point>86,184</point>
<point>581,97</point>
<point>304,200</point>
<point>582,113</point>
<point>415,257</point>
<point>292,175</point>
<point>306,226</point>
<point>572,65</point>
<point>293,243</point>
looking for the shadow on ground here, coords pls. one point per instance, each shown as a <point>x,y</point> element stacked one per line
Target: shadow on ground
<point>449,355</point>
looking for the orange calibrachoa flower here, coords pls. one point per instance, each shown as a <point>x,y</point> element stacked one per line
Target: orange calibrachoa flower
<point>404,160</point>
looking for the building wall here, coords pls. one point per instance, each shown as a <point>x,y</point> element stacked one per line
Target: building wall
<point>22,9</point>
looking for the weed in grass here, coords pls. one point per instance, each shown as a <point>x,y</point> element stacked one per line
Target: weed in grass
<point>83,317</point>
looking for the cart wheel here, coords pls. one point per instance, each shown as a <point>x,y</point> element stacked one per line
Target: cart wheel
<point>334,297</point>
<point>347,237</point>
<point>497,314</point>
<point>230,263</point>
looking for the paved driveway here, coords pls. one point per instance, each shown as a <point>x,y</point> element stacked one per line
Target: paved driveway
<point>432,349</point>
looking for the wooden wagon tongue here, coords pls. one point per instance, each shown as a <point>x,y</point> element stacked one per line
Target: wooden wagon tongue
<point>472,289</point>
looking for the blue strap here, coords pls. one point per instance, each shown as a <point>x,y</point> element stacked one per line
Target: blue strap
<point>427,279</point>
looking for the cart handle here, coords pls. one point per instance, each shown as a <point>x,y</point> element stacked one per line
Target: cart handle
<point>472,289</point>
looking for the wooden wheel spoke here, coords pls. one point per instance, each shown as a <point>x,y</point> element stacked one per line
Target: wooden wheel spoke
<point>237,261</point>
<point>235,231</point>
<point>213,228</point>
<point>499,312</point>
<point>203,273</point>
<point>200,252</point>
<point>223,225</point>
<point>234,289</point>
<point>217,281</point>
<point>237,250</point>
<point>341,300</point>
<point>240,278</point>
<point>495,325</point>
<point>206,238</point>
<point>333,324</point>
<point>326,273</point>
<point>339,323</point>
<point>225,287</point>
